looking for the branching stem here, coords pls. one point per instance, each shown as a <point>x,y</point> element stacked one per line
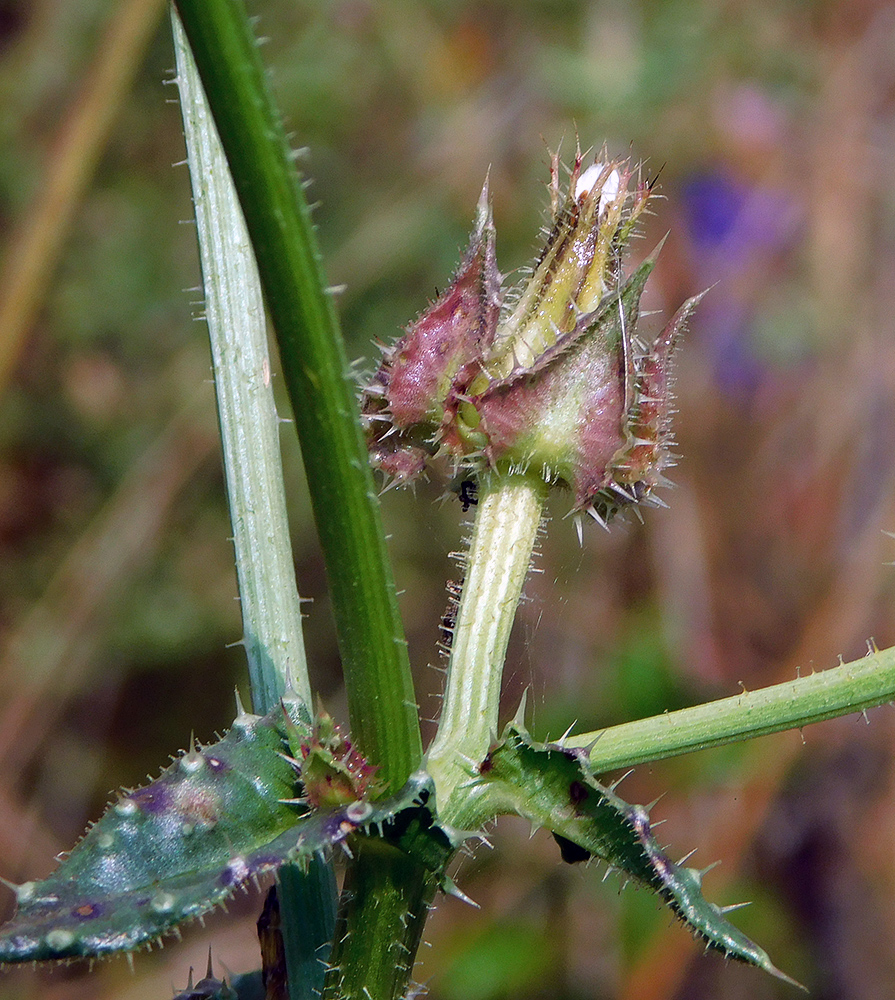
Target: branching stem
<point>848,688</point>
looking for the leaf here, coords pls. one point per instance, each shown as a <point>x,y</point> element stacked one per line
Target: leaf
<point>208,988</point>
<point>552,786</point>
<point>218,818</point>
<point>165,853</point>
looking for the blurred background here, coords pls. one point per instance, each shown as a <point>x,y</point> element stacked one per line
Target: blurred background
<point>772,126</point>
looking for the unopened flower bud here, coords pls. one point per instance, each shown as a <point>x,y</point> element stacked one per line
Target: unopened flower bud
<point>575,269</point>
<point>558,385</point>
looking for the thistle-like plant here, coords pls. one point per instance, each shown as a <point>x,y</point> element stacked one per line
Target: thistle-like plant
<point>552,387</point>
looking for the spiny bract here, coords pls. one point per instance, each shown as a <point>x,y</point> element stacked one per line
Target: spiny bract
<point>552,786</point>
<point>558,383</point>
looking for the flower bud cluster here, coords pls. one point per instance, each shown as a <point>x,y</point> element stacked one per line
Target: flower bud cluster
<point>555,381</point>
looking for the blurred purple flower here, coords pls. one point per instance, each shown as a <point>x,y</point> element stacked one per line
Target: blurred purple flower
<point>738,235</point>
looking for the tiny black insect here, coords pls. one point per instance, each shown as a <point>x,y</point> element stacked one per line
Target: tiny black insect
<point>469,494</point>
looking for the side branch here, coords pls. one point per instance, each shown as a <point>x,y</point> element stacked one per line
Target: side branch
<point>850,687</point>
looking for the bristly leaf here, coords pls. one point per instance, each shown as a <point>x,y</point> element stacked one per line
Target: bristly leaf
<point>217,819</point>
<point>208,988</point>
<point>552,786</point>
<point>164,853</point>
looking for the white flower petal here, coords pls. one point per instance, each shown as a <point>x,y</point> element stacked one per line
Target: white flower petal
<point>609,190</point>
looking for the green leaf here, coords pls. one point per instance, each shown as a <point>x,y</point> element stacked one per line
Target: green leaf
<point>216,819</point>
<point>165,853</point>
<point>552,786</point>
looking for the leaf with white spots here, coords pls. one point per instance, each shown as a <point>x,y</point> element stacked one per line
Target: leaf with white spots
<point>218,818</point>
<point>164,853</point>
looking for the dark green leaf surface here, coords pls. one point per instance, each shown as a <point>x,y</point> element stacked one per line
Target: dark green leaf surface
<point>165,853</point>
<point>552,786</point>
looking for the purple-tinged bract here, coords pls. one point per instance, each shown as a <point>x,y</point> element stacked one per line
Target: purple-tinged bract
<point>558,383</point>
<point>424,373</point>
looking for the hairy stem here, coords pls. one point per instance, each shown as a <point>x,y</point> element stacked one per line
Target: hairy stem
<point>850,687</point>
<point>843,690</point>
<point>507,522</point>
<point>383,713</point>
<point>307,921</point>
<point>386,900</point>
<point>271,614</point>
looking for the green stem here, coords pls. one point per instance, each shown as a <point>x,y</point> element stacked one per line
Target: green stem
<point>272,630</point>
<point>307,922</point>
<point>387,895</point>
<point>507,522</point>
<point>842,690</point>
<point>234,309</point>
<point>383,714</point>
<point>386,899</point>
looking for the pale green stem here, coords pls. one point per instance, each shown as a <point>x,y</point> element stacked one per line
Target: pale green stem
<point>234,308</point>
<point>271,609</point>
<point>507,522</point>
<point>850,687</point>
<point>843,690</point>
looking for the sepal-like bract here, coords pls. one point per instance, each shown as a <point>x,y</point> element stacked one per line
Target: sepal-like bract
<point>425,372</point>
<point>588,412</point>
<point>552,786</point>
<point>333,773</point>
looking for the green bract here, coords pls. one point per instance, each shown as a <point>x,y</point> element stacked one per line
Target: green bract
<point>552,786</point>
